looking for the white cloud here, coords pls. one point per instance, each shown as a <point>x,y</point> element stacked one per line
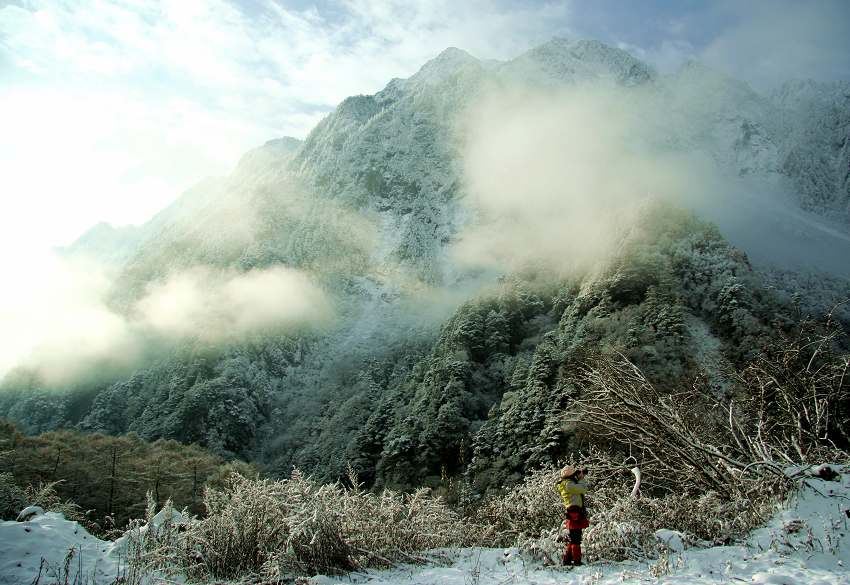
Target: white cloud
<point>112,108</point>
<point>57,320</point>
<point>54,318</point>
<point>554,176</point>
<point>224,305</point>
<point>277,58</point>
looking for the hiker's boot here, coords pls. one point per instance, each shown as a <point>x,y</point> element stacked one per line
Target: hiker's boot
<point>575,552</point>
<point>567,559</point>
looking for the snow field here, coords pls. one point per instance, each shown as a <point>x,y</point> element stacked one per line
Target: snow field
<point>42,546</point>
<point>49,536</point>
<point>806,543</point>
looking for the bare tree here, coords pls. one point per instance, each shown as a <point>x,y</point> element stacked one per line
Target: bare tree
<point>790,408</point>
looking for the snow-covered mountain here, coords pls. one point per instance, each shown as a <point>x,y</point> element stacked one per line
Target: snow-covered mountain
<point>394,156</point>
<point>428,356</point>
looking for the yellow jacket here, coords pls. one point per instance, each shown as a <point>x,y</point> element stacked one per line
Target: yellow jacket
<point>572,492</point>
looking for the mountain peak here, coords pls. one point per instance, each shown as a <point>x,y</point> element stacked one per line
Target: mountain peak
<point>106,242</point>
<point>443,65</point>
<point>554,44</point>
<point>284,143</point>
<point>452,55</point>
<point>567,60</point>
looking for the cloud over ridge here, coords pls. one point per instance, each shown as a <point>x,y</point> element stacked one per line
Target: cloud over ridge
<point>555,174</point>
<point>63,328</point>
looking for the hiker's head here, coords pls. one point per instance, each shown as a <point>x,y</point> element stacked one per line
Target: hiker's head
<point>574,472</point>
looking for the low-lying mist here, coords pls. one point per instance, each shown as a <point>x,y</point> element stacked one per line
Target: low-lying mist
<point>224,305</point>
<point>59,323</point>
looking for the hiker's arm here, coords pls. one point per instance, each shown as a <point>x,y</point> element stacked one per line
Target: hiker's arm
<point>576,488</point>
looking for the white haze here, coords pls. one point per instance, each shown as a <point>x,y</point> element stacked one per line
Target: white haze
<point>54,318</point>
<point>55,314</point>
<point>225,305</point>
<point>58,324</point>
<point>554,175</point>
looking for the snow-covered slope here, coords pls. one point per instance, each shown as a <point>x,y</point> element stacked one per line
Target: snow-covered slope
<point>57,550</point>
<point>395,158</point>
<point>806,543</point>
<point>816,147</point>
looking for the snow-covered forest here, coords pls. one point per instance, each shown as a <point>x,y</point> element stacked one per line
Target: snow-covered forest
<point>474,312</point>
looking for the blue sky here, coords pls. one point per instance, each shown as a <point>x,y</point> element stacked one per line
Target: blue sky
<point>111,108</point>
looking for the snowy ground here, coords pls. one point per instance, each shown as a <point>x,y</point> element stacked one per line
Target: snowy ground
<point>805,544</point>
<point>50,549</point>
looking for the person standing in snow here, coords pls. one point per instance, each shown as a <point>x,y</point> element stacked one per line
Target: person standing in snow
<point>573,490</point>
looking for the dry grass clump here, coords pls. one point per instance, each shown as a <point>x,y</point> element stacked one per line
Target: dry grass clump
<point>151,544</point>
<point>245,524</point>
<point>624,527</point>
<point>331,529</point>
<point>277,529</point>
<point>527,511</point>
<point>13,499</point>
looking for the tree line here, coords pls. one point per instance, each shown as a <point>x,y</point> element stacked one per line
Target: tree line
<point>108,477</point>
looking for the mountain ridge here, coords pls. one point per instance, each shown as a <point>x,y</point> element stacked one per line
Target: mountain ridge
<point>431,367</point>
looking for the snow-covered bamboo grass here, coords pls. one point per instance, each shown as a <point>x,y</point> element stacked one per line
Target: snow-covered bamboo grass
<point>298,526</point>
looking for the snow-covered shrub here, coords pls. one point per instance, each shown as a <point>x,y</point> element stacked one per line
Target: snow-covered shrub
<point>789,408</point>
<point>13,499</point>
<point>312,531</point>
<point>623,527</point>
<point>245,524</point>
<point>795,408</point>
<point>332,528</point>
<point>45,496</point>
<point>300,527</point>
<point>528,510</point>
<point>153,543</point>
